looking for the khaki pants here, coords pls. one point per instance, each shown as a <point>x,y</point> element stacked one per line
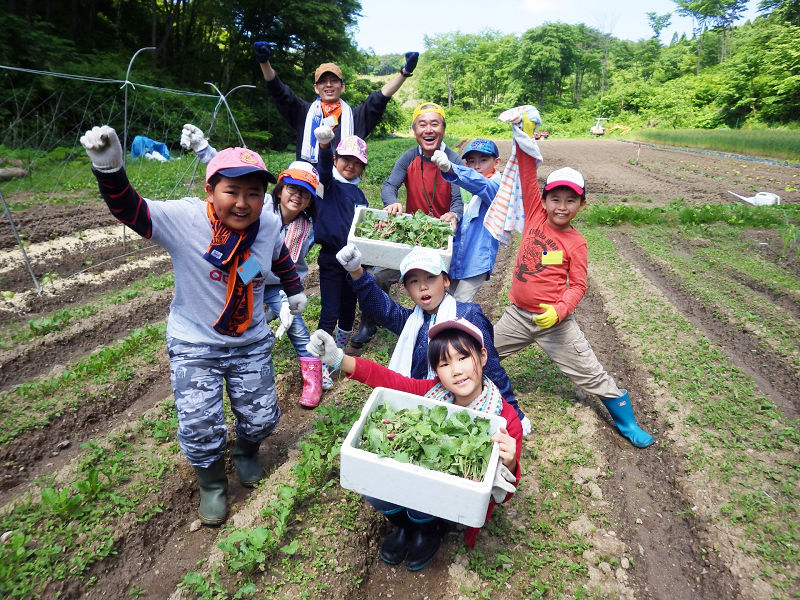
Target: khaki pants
<point>564,343</point>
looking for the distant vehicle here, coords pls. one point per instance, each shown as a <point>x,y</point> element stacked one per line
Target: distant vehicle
<point>541,135</point>
<point>598,128</point>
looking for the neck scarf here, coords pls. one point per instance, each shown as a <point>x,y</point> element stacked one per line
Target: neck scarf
<point>310,148</point>
<point>507,212</point>
<point>488,401</point>
<point>404,350</point>
<point>228,249</point>
<point>296,234</point>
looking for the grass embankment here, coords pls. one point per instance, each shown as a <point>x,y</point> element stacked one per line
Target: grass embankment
<point>778,144</point>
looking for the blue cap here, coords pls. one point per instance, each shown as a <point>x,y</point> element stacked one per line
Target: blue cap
<point>483,146</point>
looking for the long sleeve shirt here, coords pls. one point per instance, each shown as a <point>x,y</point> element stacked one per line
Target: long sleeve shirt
<point>335,211</point>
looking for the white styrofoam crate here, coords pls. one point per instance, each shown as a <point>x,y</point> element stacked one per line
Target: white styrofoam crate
<point>440,494</point>
<point>387,254</point>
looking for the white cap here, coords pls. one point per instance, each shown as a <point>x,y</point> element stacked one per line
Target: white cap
<point>426,259</point>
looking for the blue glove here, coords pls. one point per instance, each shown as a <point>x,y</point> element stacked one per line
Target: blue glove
<point>411,63</point>
<point>262,52</point>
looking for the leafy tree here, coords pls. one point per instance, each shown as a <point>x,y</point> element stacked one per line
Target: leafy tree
<point>658,23</point>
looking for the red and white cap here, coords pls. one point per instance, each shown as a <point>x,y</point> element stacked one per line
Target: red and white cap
<point>302,174</point>
<point>566,176</point>
<point>235,162</point>
<point>461,324</point>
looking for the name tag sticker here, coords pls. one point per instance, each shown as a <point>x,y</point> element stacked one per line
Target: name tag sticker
<point>552,257</point>
<point>329,121</point>
<point>249,269</point>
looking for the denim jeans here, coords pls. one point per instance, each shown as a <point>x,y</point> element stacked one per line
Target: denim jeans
<point>298,332</point>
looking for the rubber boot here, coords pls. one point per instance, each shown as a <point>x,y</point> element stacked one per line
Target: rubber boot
<point>622,413</point>
<point>213,483</point>
<point>245,459</point>
<point>340,336</point>
<point>395,545</point>
<point>327,380</point>
<point>365,332</point>
<point>423,543</point>
<point>311,370</point>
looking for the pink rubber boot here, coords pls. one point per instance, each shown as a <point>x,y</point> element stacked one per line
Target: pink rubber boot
<point>311,369</point>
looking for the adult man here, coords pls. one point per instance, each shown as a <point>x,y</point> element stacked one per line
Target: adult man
<point>328,108</point>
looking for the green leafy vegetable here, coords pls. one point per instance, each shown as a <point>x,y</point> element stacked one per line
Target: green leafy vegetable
<point>430,438</point>
<point>419,230</point>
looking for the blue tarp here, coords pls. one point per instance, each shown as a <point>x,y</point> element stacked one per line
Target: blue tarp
<point>142,145</point>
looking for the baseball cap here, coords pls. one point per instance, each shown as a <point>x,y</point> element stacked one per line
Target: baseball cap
<point>352,145</point>
<point>422,258</point>
<point>327,68</point>
<point>427,107</point>
<point>483,146</point>
<point>235,162</point>
<point>566,176</point>
<point>461,324</point>
<point>302,174</point>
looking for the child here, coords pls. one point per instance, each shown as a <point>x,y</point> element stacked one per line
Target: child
<point>340,173</point>
<point>548,282</point>
<point>294,200</point>
<point>304,117</point>
<point>474,248</point>
<point>457,355</point>
<point>216,330</point>
<point>425,278</point>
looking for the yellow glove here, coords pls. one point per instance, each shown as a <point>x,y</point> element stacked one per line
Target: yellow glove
<point>528,126</point>
<point>548,318</point>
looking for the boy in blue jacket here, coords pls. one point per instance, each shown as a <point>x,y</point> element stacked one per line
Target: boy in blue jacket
<point>423,274</point>
<point>474,248</point>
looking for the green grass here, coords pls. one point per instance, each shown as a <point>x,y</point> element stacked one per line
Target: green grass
<point>778,144</point>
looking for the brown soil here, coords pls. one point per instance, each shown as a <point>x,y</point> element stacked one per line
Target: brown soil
<point>668,543</point>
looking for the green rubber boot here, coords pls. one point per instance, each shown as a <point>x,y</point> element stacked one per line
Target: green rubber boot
<point>213,483</point>
<point>245,459</point>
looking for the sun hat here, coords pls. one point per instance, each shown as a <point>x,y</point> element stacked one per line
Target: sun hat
<point>426,259</point>
<point>566,176</point>
<point>352,145</point>
<point>461,324</point>
<point>235,162</point>
<point>427,107</point>
<point>483,146</point>
<point>302,174</point>
<point>327,68</point>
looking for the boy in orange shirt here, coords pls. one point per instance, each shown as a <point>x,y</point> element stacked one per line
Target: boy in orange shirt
<point>549,279</point>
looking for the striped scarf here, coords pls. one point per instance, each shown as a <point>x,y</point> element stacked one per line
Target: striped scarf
<point>227,250</point>
<point>296,233</point>
<point>489,401</point>
<point>507,212</point>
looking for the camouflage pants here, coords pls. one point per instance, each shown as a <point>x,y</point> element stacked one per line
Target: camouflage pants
<point>197,373</point>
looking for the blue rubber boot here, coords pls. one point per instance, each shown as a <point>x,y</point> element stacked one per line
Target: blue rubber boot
<point>622,413</point>
<point>423,542</point>
<point>395,545</point>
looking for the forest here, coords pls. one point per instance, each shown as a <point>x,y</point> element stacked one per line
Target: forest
<point>721,77</point>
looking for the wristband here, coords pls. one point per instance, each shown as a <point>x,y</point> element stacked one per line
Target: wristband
<point>338,362</point>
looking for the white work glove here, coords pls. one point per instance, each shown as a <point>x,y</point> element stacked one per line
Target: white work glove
<point>286,318</point>
<point>440,159</point>
<point>297,303</point>
<point>504,481</point>
<point>323,347</point>
<point>324,134</point>
<point>192,138</point>
<point>349,257</point>
<point>103,147</point>
<point>526,426</point>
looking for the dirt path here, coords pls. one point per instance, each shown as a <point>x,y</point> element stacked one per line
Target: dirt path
<point>643,503</point>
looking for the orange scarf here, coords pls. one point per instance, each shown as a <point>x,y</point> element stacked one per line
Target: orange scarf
<point>332,109</point>
<point>228,249</point>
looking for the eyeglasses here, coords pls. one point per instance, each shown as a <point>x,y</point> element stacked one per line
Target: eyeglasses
<point>294,190</point>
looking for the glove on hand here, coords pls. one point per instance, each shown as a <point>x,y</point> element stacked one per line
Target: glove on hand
<point>323,346</point>
<point>297,303</point>
<point>503,483</point>
<point>192,138</point>
<point>103,148</point>
<point>440,159</point>
<point>262,52</point>
<point>349,257</point>
<point>548,318</point>
<point>526,426</point>
<point>324,134</point>
<point>411,63</point>
<point>286,318</point>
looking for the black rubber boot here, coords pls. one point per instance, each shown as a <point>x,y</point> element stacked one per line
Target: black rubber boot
<point>245,459</point>
<point>395,545</point>
<point>365,332</point>
<point>213,483</point>
<point>423,543</point>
